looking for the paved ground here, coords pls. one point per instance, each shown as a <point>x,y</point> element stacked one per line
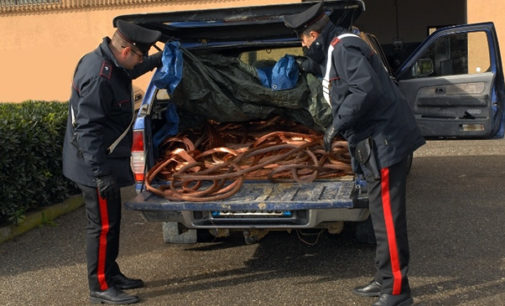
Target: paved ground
<point>456,211</point>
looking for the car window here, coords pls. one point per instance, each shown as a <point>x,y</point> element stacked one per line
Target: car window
<point>459,53</point>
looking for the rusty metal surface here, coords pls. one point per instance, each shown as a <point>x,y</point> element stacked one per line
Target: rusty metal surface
<point>261,195</point>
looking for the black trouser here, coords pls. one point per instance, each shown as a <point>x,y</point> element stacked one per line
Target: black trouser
<point>102,237</point>
<point>388,213</point>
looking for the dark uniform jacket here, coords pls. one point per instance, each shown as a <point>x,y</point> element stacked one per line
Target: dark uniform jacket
<point>365,101</point>
<point>102,105</point>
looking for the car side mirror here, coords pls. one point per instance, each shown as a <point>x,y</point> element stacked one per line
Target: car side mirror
<point>423,67</point>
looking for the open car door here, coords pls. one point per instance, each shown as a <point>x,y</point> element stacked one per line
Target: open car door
<point>454,83</point>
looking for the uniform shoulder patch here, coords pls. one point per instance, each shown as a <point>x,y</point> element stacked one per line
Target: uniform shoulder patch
<point>335,41</point>
<point>106,70</point>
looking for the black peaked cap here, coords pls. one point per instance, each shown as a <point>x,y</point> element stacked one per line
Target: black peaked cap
<point>140,37</point>
<point>299,22</point>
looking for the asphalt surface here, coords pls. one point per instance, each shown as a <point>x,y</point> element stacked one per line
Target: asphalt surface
<point>456,215</point>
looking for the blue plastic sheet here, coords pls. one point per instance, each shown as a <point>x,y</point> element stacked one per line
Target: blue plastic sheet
<point>171,126</point>
<point>168,77</point>
<point>169,74</point>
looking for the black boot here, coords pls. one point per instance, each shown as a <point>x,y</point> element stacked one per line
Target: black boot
<point>112,296</point>
<point>122,282</point>
<point>371,289</point>
<point>403,299</point>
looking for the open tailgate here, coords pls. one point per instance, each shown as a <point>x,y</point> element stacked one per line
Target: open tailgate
<point>265,196</point>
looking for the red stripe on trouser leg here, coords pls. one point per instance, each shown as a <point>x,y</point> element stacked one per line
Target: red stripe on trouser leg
<point>102,247</point>
<point>390,232</point>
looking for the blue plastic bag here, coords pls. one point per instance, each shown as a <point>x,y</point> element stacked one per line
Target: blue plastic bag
<point>265,75</point>
<point>284,73</point>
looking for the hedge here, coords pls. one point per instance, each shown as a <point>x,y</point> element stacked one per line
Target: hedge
<point>31,142</point>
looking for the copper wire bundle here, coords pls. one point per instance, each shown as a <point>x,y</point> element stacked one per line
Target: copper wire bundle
<point>215,165</point>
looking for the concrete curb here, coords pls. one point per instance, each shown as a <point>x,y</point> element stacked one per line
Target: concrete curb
<point>37,218</point>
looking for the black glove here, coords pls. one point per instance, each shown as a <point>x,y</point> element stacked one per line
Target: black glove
<point>329,134</point>
<point>307,65</point>
<point>107,186</point>
<point>300,60</point>
<point>304,63</point>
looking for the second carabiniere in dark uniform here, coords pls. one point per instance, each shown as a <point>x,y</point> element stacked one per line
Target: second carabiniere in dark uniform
<point>370,112</point>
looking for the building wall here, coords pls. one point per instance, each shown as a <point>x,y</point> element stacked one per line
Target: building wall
<point>407,20</point>
<point>493,10</point>
<point>40,49</point>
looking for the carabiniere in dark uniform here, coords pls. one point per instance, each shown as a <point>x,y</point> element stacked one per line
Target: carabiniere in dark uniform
<point>100,116</point>
<point>370,112</point>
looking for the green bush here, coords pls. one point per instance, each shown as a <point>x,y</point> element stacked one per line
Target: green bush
<point>31,142</point>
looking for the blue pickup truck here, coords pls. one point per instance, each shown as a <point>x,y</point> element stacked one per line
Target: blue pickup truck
<point>454,89</point>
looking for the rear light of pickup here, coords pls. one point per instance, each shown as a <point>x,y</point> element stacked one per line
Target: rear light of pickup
<point>138,158</point>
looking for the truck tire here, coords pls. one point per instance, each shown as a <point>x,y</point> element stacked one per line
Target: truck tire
<point>173,233</point>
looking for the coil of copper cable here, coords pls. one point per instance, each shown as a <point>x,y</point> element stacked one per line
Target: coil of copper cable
<point>214,165</point>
